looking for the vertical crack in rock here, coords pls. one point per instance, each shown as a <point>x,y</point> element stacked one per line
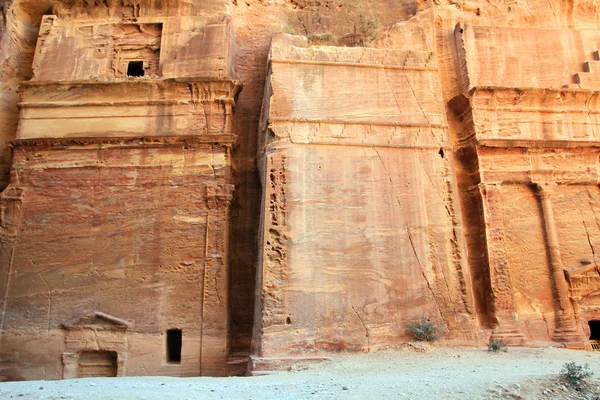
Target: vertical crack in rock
<point>365,326</point>
<point>387,172</point>
<point>289,134</point>
<point>217,281</point>
<point>412,244</point>
<point>211,164</point>
<point>587,233</point>
<point>306,32</point>
<point>457,255</point>
<point>426,173</point>
<point>9,227</point>
<point>394,92</point>
<point>7,290</point>
<point>49,296</point>
<point>418,103</point>
<point>553,13</point>
<point>589,116</point>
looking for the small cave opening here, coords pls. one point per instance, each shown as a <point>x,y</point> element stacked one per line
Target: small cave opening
<point>174,341</point>
<point>135,68</point>
<point>441,152</point>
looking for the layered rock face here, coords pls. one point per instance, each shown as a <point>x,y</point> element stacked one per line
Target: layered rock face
<point>120,190</point>
<point>362,226</point>
<point>395,160</point>
<point>531,153</point>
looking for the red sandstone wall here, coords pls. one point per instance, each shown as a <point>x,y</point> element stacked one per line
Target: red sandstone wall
<point>254,22</point>
<point>125,230</point>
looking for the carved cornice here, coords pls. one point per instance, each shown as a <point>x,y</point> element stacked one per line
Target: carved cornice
<point>110,142</point>
<point>200,90</point>
<point>543,98</point>
<point>97,320</point>
<point>490,115</point>
<point>355,65</point>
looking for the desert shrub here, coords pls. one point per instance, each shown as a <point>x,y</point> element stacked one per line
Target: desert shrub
<point>321,38</point>
<point>367,28</point>
<point>497,345</point>
<point>575,374</point>
<point>289,30</point>
<point>425,330</point>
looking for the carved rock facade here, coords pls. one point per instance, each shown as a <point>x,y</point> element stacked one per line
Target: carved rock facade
<point>157,221</point>
<point>118,205</point>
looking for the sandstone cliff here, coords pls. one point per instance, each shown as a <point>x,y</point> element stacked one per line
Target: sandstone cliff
<point>390,159</point>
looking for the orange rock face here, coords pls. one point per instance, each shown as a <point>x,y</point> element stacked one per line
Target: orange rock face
<point>392,161</point>
<point>362,221</point>
<point>118,206</point>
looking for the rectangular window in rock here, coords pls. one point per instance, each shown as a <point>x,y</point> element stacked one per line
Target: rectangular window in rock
<point>174,341</point>
<point>135,68</point>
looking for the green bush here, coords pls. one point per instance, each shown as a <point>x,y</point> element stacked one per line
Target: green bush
<point>496,345</point>
<point>367,28</point>
<point>425,330</point>
<point>575,374</point>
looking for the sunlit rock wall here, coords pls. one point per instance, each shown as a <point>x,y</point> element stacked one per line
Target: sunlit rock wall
<point>362,229</point>
<point>116,219</point>
<point>529,148</point>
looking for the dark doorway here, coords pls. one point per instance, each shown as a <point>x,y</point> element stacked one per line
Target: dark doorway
<point>97,364</point>
<point>594,330</point>
<point>135,68</point>
<point>174,346</point>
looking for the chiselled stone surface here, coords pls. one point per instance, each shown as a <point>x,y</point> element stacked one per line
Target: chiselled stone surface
<point>448,168</point>
<point>116,219</point>
<point>537,167</point>
<point>359,237</point>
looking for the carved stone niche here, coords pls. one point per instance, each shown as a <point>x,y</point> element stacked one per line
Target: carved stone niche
<point>136,43</point>
<point>95,345</point>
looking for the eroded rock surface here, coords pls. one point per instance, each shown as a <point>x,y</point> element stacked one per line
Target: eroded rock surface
<point>446,167</point>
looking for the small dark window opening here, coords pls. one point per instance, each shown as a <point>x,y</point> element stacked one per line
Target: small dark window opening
<point>441,152</point>
<point>135,68</point>
<point>174,345</point>
<point>594,330</point>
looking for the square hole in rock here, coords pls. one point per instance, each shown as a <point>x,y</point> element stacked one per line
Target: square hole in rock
<point>135,68</point>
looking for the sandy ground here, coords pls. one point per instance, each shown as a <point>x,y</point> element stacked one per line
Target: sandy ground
<point>440,373</point>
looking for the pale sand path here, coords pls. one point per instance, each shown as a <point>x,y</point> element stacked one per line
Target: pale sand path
<point>441,373</point>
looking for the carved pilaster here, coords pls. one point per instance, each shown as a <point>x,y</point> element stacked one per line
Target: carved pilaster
<point>505,316</point>
<point>11,211</point>
<point>217,100</point>
<point>69,361</point>
<point>214,330</point>
<point>11,201</point>
<point>566,328</point>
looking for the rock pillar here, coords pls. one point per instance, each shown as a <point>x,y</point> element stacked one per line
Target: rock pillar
<point>505,318</point>
<point>566,328</point>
